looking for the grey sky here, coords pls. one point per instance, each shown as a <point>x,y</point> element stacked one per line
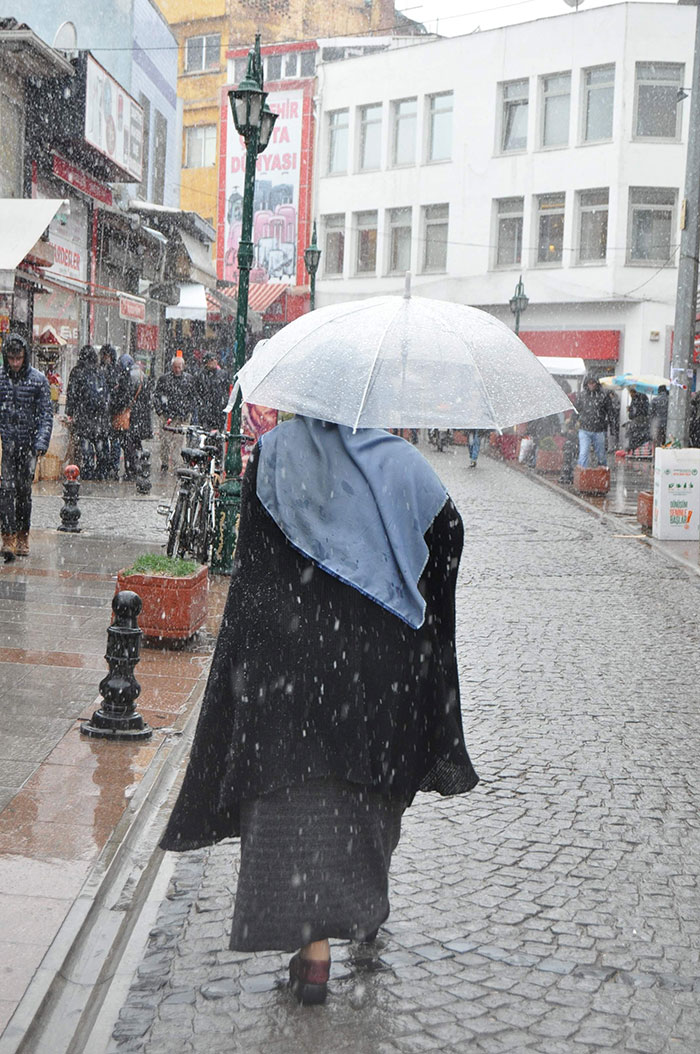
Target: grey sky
<point>453,17</point>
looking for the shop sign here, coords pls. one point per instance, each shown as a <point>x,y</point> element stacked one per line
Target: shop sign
<point>67,238</point>
<point>81,180</point>
<point>676,513</point>
<point>147,338</point>
<point>132,310</point>
<point>113,120</point>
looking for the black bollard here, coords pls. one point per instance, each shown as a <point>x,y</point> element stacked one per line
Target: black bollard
<point>118,718</point>
<point>143,472</point>
<point>70,513</point>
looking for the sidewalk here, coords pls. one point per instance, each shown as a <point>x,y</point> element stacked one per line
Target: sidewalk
<point>62,795</point>
<point>628,477</point>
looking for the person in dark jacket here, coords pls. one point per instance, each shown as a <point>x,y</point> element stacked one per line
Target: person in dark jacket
<point>694,426</point>
<point>211,392</point>
<point>87,401</point>
<point>108,362</point>
<point>595,415</point>
<point>174,403</point>
<point>26,422</point>
<point>333,695</point>
<point>638,431</point>
<point>130,385</point>
<point>659,416</point>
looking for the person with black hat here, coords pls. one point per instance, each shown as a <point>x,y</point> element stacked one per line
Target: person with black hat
<point>26,422</point>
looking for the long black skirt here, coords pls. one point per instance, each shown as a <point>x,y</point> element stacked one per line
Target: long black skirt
<point>314,864</point>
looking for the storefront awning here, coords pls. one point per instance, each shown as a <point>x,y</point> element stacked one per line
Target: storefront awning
<point>193,303</point>
<point>563,367</point>
<point>202,267</point>
<point>22,223</point>
<point>600,344</point>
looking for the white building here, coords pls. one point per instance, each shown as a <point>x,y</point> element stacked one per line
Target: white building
<point>555,149</point>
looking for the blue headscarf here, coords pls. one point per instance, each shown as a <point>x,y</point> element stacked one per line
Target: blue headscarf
<point>356,503</point>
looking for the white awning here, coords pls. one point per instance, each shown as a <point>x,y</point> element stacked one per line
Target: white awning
<point>202,267</point>
<point>193,303</point>
<point>561,366</point>
<point>22,223</point>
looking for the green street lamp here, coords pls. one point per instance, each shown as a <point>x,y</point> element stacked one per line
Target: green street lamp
<point>312,258</point>
<point>518,302</point>
<point>254,121</point>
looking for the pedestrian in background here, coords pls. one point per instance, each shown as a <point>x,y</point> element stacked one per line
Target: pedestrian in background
<point>659,416</point>
<point>595,415</point>
<point>474,441</point>
<point>87,405</point>
<point>211,392</point>
<point>108,362</point>
<point>26,422</point>
<point>333,695</point>
<point>141,424</point>
<point>638,431</point>
<point>174,403</point>
<point>126,392</point>
<point>694,429</point>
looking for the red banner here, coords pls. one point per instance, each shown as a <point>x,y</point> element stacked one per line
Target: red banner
<point>81,180</point>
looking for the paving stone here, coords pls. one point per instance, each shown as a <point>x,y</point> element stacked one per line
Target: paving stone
<point>553,910</point>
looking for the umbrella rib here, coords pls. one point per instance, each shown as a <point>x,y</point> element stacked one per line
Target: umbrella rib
<point>373,367</point>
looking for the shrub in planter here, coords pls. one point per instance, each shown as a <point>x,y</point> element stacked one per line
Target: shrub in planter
<point>549,455</point>
<point>173,593</point>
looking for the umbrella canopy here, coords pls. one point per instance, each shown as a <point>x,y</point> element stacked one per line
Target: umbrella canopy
<point>643,382</point>
<point>402,362</point>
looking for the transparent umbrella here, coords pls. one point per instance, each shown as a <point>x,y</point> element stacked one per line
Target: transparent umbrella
<point>402,362</point>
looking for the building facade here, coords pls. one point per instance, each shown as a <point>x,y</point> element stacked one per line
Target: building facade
<point>553,149</point>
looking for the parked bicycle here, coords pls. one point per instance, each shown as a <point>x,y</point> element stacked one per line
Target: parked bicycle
<point>191,517</point>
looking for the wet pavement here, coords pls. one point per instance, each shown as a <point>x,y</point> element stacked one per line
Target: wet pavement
<point>555,909</point>
<point>62,795</point>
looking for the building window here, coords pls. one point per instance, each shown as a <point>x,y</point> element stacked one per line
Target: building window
<point>598,96</point>
<point>366,227</point>
<point>274,68</point>
<point>514,115</point>
<point>145,105</point>
<point>308,63</point>
<point>334,244</point>
<point>435,224</point>
<point>160,151</point>
<point>556,100</point>
<point>440,127</point>
<point>650,224</point>
<point>370,137</point>
<point>240,68</point>
<point>203,53</point>
<point>509,235</point>
<point>291,61</point>
<point>550,228</point>
<point>337,141</point>
<point>399,240</point>
<point>404,118</point>
<point>200,146</point>
<point>593,225</point>
<point>657,113</point>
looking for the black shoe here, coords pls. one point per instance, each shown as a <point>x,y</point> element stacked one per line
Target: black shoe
<point>308,980</point>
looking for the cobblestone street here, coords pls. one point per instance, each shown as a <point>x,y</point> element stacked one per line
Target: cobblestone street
<point>555,909</point>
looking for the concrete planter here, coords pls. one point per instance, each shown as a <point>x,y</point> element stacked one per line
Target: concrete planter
<point>591,480</point>
<point>173,608</point>
<point>549,461</point>
<point>645,507</point>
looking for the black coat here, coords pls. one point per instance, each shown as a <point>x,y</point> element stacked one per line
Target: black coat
<point>211,390</point>
<point>312,679</point>
<point>174,397</point>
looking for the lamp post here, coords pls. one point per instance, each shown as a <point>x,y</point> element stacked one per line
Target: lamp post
<point>312,258</point>
<point>254,121</point>
<point>518,302</point>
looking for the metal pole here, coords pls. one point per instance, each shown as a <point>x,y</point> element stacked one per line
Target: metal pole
<point>517,321</point>
<point>684,324</point>
<point>230,491</point>
<point>312,292</point>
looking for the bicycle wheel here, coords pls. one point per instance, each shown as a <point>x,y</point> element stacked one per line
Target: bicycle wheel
<point>201,532</point>
<point>175,525</point>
